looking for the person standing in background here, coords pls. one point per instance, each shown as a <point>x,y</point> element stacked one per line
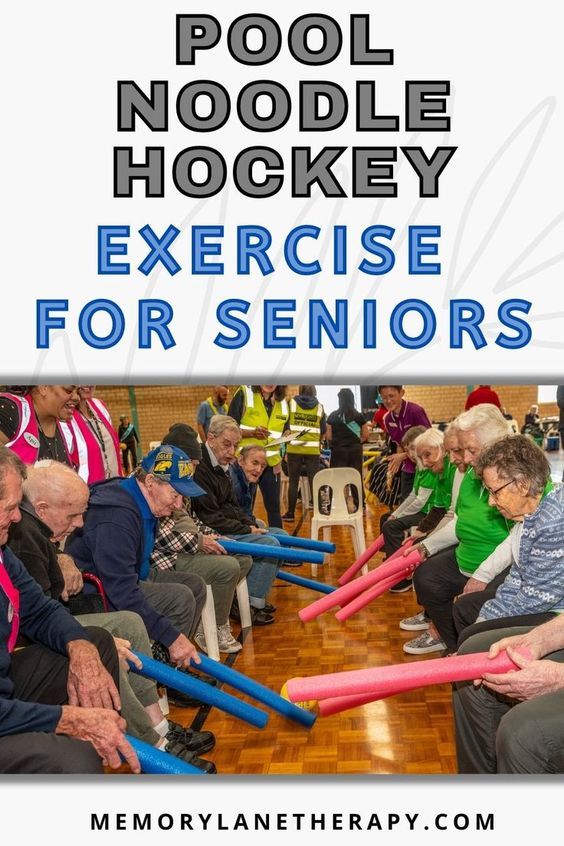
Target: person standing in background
<point>216,403</point>
<point>482,394</point>
<point>262,414</point>
<point>346,431</point>
<point>306,413</point>
<point>128,441</point>
<point>97,441</point>
<point>400,417</point>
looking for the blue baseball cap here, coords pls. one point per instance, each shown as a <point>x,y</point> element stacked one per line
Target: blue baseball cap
<point>170,464</point>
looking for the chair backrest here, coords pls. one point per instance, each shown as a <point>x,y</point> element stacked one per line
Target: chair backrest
<point>337,479</point>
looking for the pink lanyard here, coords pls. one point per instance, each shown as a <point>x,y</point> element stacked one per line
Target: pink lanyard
<point>13,595</point>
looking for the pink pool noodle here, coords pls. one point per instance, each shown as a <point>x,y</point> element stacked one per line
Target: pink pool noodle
<point>347,593</point>
<point>378,681</point>
<point>336,704</point>
<point>365,598</point>
<point>370,551</point>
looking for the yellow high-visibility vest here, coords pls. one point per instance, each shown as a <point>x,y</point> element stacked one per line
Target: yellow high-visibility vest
<point>256,415</point>
<point>305,418</point>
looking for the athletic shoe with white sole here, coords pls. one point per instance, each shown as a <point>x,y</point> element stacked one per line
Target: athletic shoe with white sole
<point>418,623</point>
<point>226,641</point>
<point>423,645</point>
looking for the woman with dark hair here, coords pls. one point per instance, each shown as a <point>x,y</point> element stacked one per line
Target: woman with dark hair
<point>346,431</point>
<point>262,414</point>
<point>307,423</point>
<point>31,418</point>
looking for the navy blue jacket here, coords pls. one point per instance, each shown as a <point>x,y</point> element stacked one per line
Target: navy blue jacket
<point>111,545</point>
<point>44,621</point>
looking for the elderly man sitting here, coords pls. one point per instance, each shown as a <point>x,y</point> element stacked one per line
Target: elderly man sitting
<point>55,500</point>
<point>220,510</point>
<point>57,698</point>
<point>514,722</point>
<point>524,574</point>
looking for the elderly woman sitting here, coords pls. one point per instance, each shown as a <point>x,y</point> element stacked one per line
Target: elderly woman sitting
<point>455,552</point>
<point>431,486</point>
<point>524,575</point>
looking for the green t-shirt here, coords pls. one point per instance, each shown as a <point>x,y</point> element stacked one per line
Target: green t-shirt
<point>425,479</point>
<point>479,527</point>
<point>443,490</point>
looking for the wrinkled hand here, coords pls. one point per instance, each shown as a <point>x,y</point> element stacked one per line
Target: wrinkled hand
<point>473,585</point>
<point>72,576</point>
<point>256,531</point>
<point>417,534</point>
<point>535,678</point>
<point>211,547</point>
<point>181,652</point>
<point>528,640</point>
<point>89,684</point>
<point>126,655</point>
<point>105,731</point>
<point>261,433</point>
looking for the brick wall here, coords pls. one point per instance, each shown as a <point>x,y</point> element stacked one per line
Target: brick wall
<point>160,406</point>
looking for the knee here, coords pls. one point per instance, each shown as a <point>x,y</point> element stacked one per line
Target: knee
<point>270,540</point>
<point>245,563</point>
<point>131,627</point>
<point>230,569</point>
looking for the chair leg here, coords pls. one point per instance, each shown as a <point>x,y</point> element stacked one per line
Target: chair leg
<point>244,604</point>
<point>209,626</point>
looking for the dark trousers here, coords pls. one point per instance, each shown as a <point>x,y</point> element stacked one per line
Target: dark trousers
<point>40,675</point>
<point>394,531</point>
<point>129,459</point>
<point>269,484</point>
<point>295,463</point>
<point>467,608</point>
<point>437,581</point>
<point>406,484</point>
<point>530,620</point>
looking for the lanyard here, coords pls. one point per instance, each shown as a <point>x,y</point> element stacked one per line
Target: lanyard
<point>13,595</point>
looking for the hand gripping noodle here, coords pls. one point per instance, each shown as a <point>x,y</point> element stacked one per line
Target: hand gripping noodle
<point>379,682</point>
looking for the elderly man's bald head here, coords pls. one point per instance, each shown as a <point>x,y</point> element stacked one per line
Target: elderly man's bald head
<point>58,495</point>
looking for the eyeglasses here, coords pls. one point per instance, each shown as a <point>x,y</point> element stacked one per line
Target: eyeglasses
<point>495,493</point>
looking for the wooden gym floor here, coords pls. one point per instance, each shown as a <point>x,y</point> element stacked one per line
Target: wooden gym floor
<point>411,733</point>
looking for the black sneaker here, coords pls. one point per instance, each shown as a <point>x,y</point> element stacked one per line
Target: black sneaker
<point>288,516</point>
<point>177,748</point>
<point>195,741</point>
<point>260,617</point>
<point>270,609</point>
<point>402,587</point>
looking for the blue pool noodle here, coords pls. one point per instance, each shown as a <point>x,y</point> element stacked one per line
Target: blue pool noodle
<point>307,583</point>
<point>259,550</point>
<point>255,690</point>
<point>305,543</point>
<point>157,762</point>
<point>177,680</point>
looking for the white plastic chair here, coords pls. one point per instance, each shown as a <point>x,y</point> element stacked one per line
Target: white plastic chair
<point>244,604</point>
<point>209,626</point>
<point>337,478</point>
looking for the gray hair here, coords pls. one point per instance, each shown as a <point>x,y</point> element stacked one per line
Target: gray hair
<point>10,461</point>
<point>52,481</point>
<point>485,421</point>
<point>517,458</point>
<point>220,422</point>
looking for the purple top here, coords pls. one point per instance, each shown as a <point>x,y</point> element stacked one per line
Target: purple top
<point>410,414</point>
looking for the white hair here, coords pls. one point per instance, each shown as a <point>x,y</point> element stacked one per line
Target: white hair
<point>485,421</point>
<point>51,481</point>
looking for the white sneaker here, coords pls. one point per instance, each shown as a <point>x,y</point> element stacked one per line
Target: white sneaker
<point>423,644</point>
<point>418,623</point>
<point>200,640</point>
<point>226,641</point>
